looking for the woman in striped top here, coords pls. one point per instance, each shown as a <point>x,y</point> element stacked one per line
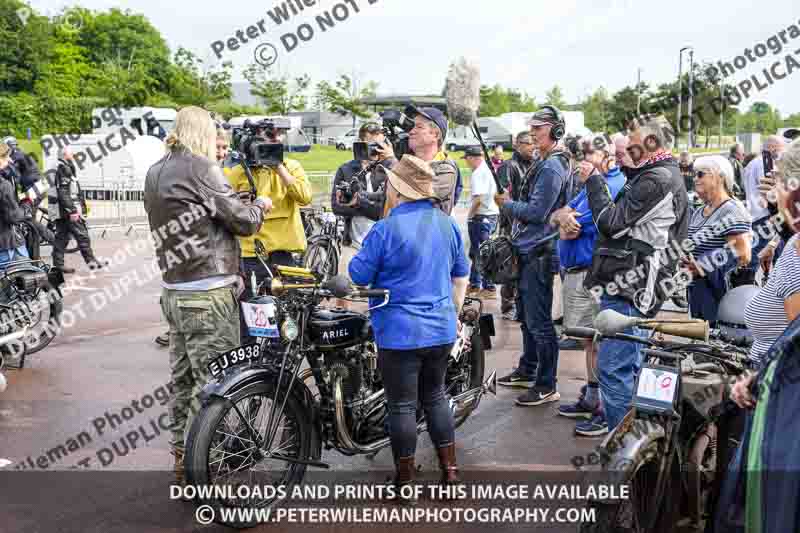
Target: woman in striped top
<point>778,302</point>
<point>720,234</point>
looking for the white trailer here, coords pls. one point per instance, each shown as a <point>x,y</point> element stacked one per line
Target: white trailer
<point>141,120</point>
<point>111,168</point>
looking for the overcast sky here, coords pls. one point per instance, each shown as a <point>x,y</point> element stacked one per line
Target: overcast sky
<point>407,45</point>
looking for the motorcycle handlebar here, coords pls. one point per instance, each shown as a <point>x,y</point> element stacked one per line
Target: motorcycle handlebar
<point>581,333</point>
<point>370,293</point>
<point>719,335</point>
<point>661,354</point>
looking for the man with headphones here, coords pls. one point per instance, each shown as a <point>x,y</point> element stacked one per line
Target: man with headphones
<point>543,191</point>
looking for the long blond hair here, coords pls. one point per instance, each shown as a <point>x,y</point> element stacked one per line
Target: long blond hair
<point>195,131</point>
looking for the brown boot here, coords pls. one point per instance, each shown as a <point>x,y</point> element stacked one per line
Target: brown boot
<point>179,469</point>
<point>406,472</point>
<point>447,462</point>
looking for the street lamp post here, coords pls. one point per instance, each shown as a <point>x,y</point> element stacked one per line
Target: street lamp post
<point>639,92</point>
<point>691,96</point>
<point>722,112</point>
<point>680,96</point>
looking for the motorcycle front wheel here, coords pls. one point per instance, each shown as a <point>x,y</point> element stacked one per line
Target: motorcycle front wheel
<point>649,509</point>
<point>220,450</point>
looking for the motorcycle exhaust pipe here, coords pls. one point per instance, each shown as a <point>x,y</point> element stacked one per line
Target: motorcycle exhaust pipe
<point>343,433</point>
<point>14,336</point>
<point>468,401</point>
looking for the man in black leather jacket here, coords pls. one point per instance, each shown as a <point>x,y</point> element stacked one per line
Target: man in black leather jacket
<point>72,213</point>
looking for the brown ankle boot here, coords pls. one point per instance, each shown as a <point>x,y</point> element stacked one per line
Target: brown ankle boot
<point>447,462</point>
<point>179,469</point>
<point>406,472</point>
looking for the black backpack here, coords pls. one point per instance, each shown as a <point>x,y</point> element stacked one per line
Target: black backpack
<point>499,262</point>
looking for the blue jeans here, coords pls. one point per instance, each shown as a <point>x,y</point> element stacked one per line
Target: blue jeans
<point>12,254</point>
<point>480,228</point>
<point>618,363</point>
<point>408,374</point>
<point>535,308</point>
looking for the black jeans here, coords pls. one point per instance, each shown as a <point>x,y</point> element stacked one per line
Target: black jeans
<point>408,374</point>
<point>253,264</point>
<point>65,228</point>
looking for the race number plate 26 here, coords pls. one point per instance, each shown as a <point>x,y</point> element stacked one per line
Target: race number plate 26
<point>260,319</point>
<point>657,389</point>
<point>235,357</point>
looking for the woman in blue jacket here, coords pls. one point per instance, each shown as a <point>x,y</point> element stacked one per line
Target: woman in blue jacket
<point>578,233</point>
<point>417,254</point>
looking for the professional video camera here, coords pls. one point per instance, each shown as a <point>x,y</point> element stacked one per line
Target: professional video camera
<point>578,146</point>
<point>349,189</point>
<point>575,145</point>
<point>255,142</point>
<point>396,127</point>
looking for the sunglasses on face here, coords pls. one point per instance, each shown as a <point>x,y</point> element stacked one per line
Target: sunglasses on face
<point>700,174</point>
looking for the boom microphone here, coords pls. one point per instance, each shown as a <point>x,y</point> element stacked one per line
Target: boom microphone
<point>463,94</point>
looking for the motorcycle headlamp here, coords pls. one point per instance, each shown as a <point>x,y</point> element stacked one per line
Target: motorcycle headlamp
<point>289,329</point>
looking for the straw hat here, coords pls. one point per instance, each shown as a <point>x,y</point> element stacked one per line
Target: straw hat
<point>413,178</point>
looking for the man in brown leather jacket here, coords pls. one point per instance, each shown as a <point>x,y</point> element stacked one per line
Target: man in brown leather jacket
<point>194,217</point>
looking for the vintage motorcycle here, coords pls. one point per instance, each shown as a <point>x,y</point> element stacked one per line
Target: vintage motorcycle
<point>30,302</point>
<point>265,418</point>
<point>673,447</point>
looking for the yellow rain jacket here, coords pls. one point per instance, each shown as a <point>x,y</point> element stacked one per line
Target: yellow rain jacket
<point>283,228</point>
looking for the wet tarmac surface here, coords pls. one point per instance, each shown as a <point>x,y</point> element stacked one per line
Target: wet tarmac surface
<point>86,418</point>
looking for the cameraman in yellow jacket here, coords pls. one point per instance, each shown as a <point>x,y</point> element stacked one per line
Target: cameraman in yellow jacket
<point>282,231</point>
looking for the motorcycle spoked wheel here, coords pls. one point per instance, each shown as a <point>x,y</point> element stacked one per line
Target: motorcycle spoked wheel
<point>474,374</point>
<point>40,312</point>
<point>219,449</point>
<point>635,514</point>
<point>322,259</point>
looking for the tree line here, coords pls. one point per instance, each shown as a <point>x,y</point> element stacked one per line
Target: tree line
<point>54,70</point>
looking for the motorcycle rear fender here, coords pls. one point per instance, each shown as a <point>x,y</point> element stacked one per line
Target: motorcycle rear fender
<point>622,453</point>
<point>236,381</point>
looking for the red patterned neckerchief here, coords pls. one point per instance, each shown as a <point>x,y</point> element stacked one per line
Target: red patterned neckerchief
<point>661,155</point>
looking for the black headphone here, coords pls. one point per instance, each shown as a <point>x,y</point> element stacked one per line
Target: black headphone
<point>557,130</point>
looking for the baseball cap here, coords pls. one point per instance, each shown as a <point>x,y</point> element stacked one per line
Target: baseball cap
<point>369,127</point>
<point>432,114</point>
<point>473,151</point>
<point>543,117</point>
<point>791,134</point>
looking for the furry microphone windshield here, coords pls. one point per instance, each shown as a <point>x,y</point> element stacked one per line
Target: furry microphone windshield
<point>463,92</point>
